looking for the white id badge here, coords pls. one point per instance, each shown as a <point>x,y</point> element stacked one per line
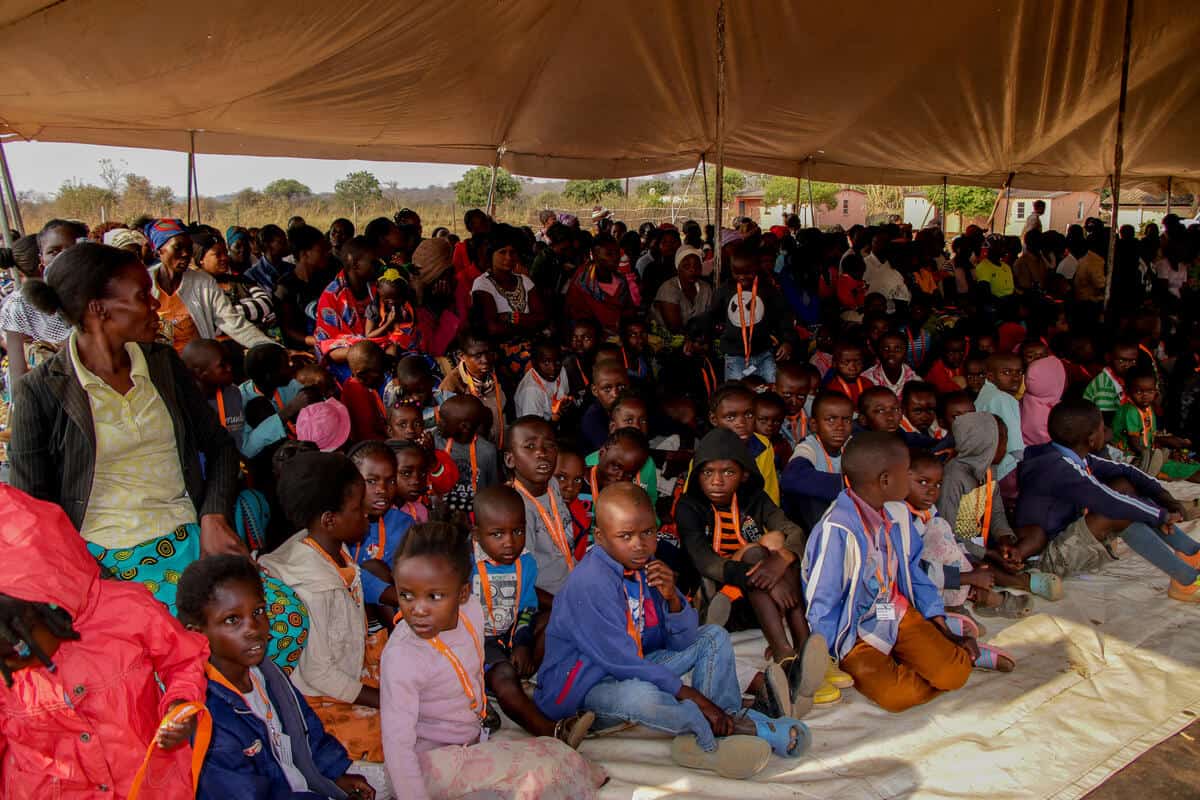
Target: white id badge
<point>483,735</point>
<point>886,612</point>
<point>749,369</point>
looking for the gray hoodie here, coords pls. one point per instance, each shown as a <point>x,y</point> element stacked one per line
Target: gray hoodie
<point>976,436</point>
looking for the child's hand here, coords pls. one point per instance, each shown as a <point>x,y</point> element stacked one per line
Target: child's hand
<point>660,576</point>
<point>1007,556</point>
<point>720,722</point>
<point>783,352</point>
<point>522,660</point>
<point>173,734</point>
<point>356,787</point>
<point>981,576</point>
<point>766,573</point>
<point>785,594</point>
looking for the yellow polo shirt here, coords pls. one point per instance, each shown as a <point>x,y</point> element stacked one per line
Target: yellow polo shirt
<point>137,489</point>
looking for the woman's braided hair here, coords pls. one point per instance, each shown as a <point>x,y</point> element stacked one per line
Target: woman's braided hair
<point>17,621</point>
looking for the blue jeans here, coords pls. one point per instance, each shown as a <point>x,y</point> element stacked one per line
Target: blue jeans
<point>709,659</point>
<point>1159,549</point>
<point>763,365</point>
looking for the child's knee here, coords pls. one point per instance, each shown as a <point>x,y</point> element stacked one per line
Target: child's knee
<point>1122,485</point>
<point>754,554</point>
<point>714,637</point>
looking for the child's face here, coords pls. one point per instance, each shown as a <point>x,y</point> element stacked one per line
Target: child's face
<point>1124,359</point>
<point>833,423</point>
<point>924,485</point>
<point>235,623</point>
<point>848,363</point>
<point>877,329</point>
<point>1007,373</point>
<point>986,344</point>
<point>388,291</point>
<point>630,414</point>
<point>892,350</point>
<point>349,523</point>
<point>478,359</point>
<point>921,409</point>
<point>419,389</point>
<point>532,453</point>
<point>569,472</point>
<point>500,533</point>
<point>695,346</point>
<point>405,423</point>
<point>635,337</point>
<point>462,427</point>
<point>620,463</point>
<point>583,339</point>
<point>955,352</point>
<point>882,413</point>
<point>379,474</point>
<point>627,532</point>
<point>429,593</point>
<point>412,475</point>
<point>1034,351</point>
<point>976,373</point>
<point>548,363</point>
<point>794,390</point>
<point>46,641</point>
<point>1099,436</point>
<point>744,270</point>
<point>720,479</point>
<point>217,372</point>
<point>956,408</point>
<point>735,413</point>
<point>610,383</point>
<point>1143,391</point>
<point>768,419</point>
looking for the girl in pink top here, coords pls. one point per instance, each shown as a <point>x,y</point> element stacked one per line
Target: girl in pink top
<point>432,691</point>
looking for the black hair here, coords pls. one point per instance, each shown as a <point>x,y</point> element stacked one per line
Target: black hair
<point>310,484</point>
<point>264,360</point>
<point>769,398</point>
<point>629,321</point>
<point>202,241</point>
<point>919,457</point>
<point>868,454</point>
<point>78,276</point>
<point>471,214</point>
<point>71,226</point>
<point>826,396</point>
<point>917,387</point>
<point>872,391</point>
<point>527,419</point>
<point>23,255</point>
<point>946,399</point>
<point>398,446</point>
<point>369,449</point>
<point>629,436</point>
<point>726,391</point>
<point>344,222</point>
<point>268,233</point>
<point>627,396</point>
<point>558,233</point>
<point>199,582</point>
<point>472,334</point>
<point>437,540</point>
<point>603,240</point>
<point>16,628</point>
<point>377,229</point>
<point>586,322</point>
<point>1071,422</point>
<point>304,237</point>
<point>357,246</point>
<point>497,498</point>
<point>1140,375</point>
<point>544,343</point>
<point>412,366</point>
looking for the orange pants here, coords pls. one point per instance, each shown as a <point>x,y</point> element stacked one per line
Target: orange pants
<point>922,665</point>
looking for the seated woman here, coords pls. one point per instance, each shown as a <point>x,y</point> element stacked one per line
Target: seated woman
<point>684,298</point>
<point>505,304</point>
<point>250,299</point>
<point>26,330</point>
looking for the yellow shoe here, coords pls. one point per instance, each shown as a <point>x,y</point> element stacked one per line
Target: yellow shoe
<point>827,695</point>
<point>1185,594</point>
<point>837,678</point>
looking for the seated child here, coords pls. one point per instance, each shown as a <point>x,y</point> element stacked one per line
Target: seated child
<point>476,376</point>
<point>952,406</point>
<point>387,524</point>
<point>883,618</point>
<point>460,419</point>
<point>360,392</point>
<point>609,381</point>
<point>503,579</point>
<point>975,373</point>
<point>544,391</point>
<point>747,549</point>
<point>732,408</point>
<point>623,658</point>
<point>270,375</point>
<point>406,425</point>
<point>947,371</point>
<point>319,378</point>
<point>633,349</point>
<point>569,472</point>
<point>1075,501</point>
<point>795,382</point>
<point>209,364</point>
<point>813,478</point>
<point>580,357</point>
<point>618,461</point>
<point>631,411</point>
<point>689,370</point>
<point>254,707</point>
<point>769,413</point>
<point>998,396</point>
<point>1135,431</point>
<point>412,384</point>
<point>338,672</point>
<point>970,502</point>
<point>822,357</point>
<point>79,653</point>
<point>891,371</point>
<point>434,697</point>
<point>846,375</point>
<point>919,425</point>
<point>1107,389</point>
<point>879,410</point>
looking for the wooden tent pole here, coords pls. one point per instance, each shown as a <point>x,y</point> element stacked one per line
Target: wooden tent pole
<point>1119,153</point>
<point>720,176</point>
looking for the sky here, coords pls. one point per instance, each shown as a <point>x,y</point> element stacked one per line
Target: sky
<point>43,166</point>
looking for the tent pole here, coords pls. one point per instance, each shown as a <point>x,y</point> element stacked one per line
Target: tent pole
<point>1168,194</point>
<point>1119,153</point>
<point>675,209</point>
<point>190,162</point>
<point>995,205</point>
<point>704,169</point>
<point>195,178</point>
<point>945,207</point>
<point>1007,203</point>
<point>10,197</point>
<point>491,203</point>
<point>812,207</point>
<point>720,176</point>
<point>626,214</point>
<point>796,204</point>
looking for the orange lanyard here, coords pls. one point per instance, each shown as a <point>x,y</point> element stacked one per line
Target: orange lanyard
<point>486,587</point>
<point>221,407</point>
<point>556,403</point>
<point>474,462</point>
<point>846,387</point>
<point>924,516</point>
<point>747,331</point>
<point>274,731</point>
<point>1147,416</point>
<point>828,460</point>
<point>474,390</point>
<point>582,374</point>
<point>985,519</point>
<point>552,521</point>
<point>341,571</point>
<point>632,627</point>
<point>478,702</point>
<point>883,545</point>
<point>595,487</point>
<point>728,544</point>
<point>709,376</point>
<point>799,424</point>
<point>380,548</point>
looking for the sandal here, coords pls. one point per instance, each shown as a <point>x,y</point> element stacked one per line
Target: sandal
<point>573,729</point>
<point>962,626</point>
<point>806,674</point>
<point>1045,584</point>
<point>993,658</point>
<point>789,738</point>
<point>773,697</point>
<point>1012,606</point>
<point>736,757</point>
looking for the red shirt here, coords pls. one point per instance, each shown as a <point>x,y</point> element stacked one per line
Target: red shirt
<point>367,420</point>
<point>943,378</point>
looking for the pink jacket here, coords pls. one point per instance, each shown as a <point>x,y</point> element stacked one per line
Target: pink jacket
<point>82,731</point>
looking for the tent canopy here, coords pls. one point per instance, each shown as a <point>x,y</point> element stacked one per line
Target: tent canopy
<point>911,92</point>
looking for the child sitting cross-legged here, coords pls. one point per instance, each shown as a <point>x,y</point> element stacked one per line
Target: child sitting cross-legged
<point>503,581</point>
<point>434,695</point>
<point>747,549</point>
<point>621,637</point>
<point>867,594</point>
<point>1135,431</point>
<point>813,478</point>
<point>250,699</point>
<point>545,390</point>
<point>732,408</point>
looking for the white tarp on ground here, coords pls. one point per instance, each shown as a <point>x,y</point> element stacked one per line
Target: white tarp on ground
<point>1102,676</point>
<point>904,92</point>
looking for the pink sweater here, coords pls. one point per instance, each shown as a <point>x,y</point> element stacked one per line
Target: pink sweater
<point>422,701</point>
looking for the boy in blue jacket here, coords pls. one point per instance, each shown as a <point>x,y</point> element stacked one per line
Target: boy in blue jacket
<point>267,744</point>
<point>813,477</point>
<point>1071,501</point>
<point>621,637</point>
<point>867,592</point>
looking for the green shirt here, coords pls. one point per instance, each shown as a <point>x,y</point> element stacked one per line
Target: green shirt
<point>1128,424</point>
<point>1105,392</point>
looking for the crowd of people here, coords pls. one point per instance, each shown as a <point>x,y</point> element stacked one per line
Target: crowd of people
<point>297,514</point>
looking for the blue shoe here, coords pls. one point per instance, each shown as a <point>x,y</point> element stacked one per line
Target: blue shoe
<point>789,738</point>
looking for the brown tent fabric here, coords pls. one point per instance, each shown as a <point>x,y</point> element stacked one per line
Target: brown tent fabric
<point>906,92</point>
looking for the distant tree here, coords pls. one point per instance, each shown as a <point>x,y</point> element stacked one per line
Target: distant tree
<point>778,189</point>
<point>654,190</point>
<point>113,175</point>
<point>472,190</point>
<point>884,199</point>
<point>970,201</point>
<point>550,200</point>
<point>162,198</point>
<point>288,189</point>
<point>734,181</point>
<point>591,191</point>
<point>358,188</point>
<point>247,197</point>
<point>84,201</point>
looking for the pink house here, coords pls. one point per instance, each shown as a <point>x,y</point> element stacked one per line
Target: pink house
<point>850,208</point>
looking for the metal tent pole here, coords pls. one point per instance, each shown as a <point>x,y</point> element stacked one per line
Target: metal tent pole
<point>1119,153</point>
<point>195,178</point>
<point>720,176</point>
<point>812,207</point>
<point>10,196</point>
<point>191,160</point>
<point>704,170</point>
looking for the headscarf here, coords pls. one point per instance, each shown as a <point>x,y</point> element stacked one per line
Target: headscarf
<point>684,252</point>
<point>728,237</point>
<point>124,237</point>
<point>432,258</point>
<point>164,230</point>
<point>234,234</point>
<point>1044,385</point>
